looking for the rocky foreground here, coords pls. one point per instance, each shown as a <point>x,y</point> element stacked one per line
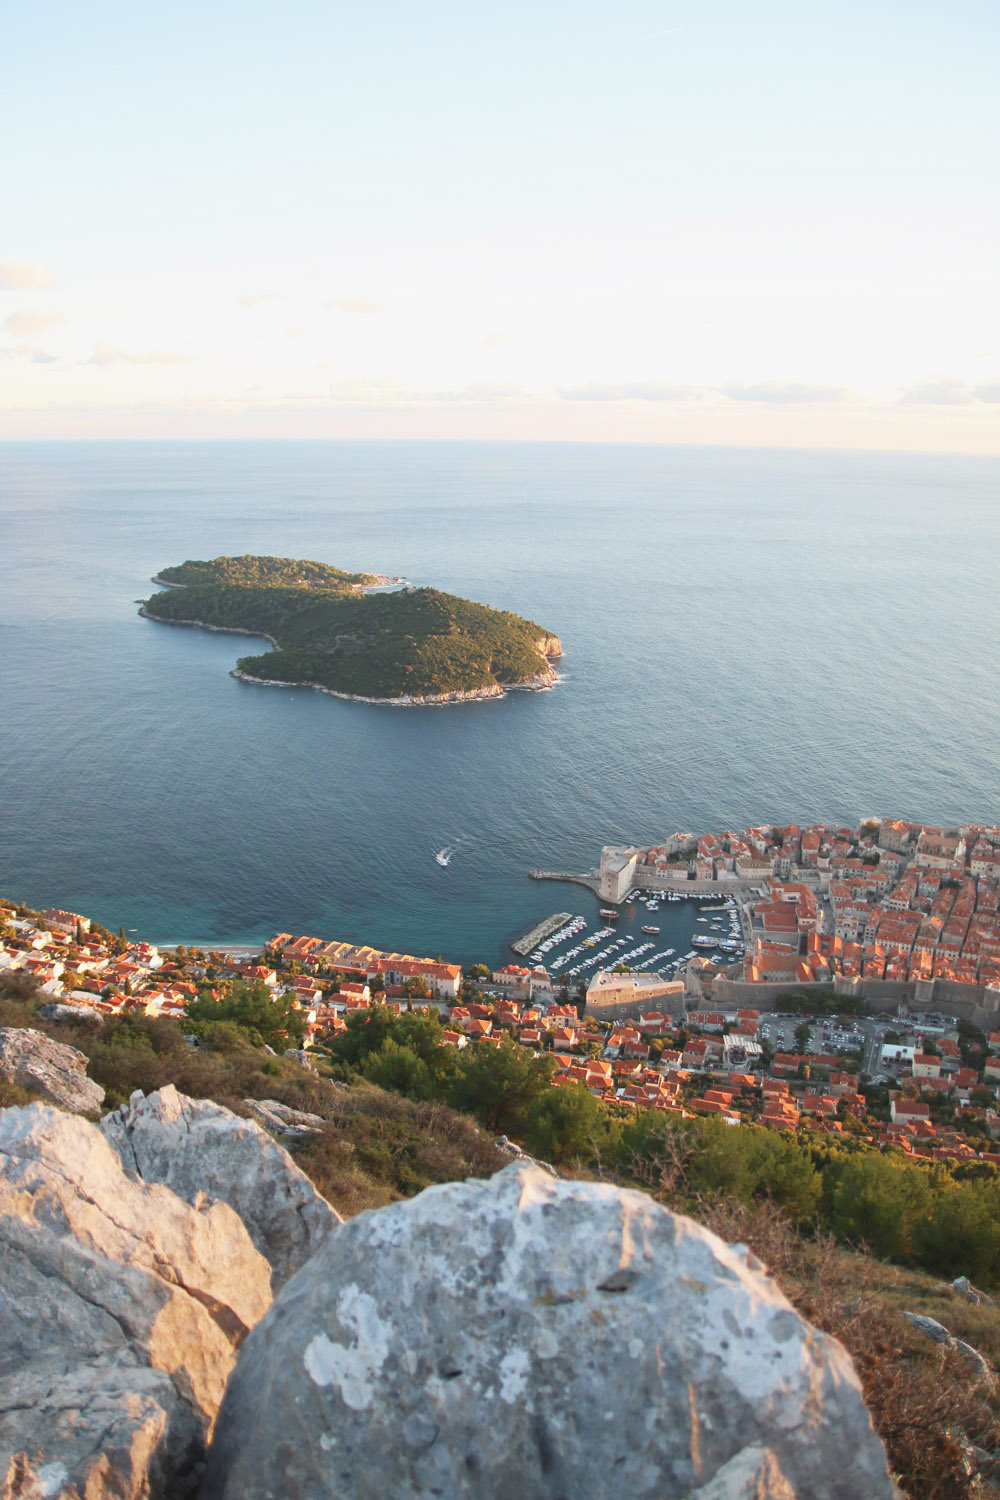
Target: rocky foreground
<point>182,1315</point>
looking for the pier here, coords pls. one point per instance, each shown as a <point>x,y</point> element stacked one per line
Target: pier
<point>538,934</point>
<point>591,881</point>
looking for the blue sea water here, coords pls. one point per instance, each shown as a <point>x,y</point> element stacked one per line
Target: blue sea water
<point>749,635</point>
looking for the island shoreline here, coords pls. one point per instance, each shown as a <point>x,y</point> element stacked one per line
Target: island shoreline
<point>540,684</point>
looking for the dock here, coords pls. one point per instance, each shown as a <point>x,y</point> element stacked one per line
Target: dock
<point>591,881</point>
<point>538,934</point>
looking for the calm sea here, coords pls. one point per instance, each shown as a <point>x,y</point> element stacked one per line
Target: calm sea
<point>748,635</point>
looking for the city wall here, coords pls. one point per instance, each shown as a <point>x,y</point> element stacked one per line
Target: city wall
<point>969,1002</point>
<point>631,1010</point>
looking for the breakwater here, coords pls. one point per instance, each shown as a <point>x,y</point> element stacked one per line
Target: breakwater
<point>592,882</point>
<point>539,933</point>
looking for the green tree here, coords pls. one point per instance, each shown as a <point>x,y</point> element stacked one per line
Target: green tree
<point>264,1018</point>
<point>399,1069</point>
<point>877,1200</point>
<point>567,1124</point>
<point>365,1033</point>
<point>961,1237</point>
<point>499,1084</point>
<point>752,1163</point>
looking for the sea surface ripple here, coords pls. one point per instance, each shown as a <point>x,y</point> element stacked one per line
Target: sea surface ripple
<point>749,635</point>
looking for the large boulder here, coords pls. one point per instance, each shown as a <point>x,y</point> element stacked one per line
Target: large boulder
<point>527,1337</point>
<point>121,1312</point>
<point>194,1146</point>
<point>58,1073</point>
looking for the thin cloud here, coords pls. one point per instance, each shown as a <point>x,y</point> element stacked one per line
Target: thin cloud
<point>297,331</point>
<point>254,299</point>
<point>948,390</point>
<point>371,392</point>
<point>636,390</point>
<point>107,354</point>
<point>18,275</point>
<point>359,306</point>
<point>29,321</point>
<point>783,392</point>
<point>939,390</point>
<point>393,393</point>
<point>482,390</point>
<point>30,353</point>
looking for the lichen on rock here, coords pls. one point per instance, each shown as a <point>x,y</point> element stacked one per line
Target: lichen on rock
<point>529,1336</point>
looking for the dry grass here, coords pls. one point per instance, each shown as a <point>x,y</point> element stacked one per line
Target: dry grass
<point>939,1421</point>
<point>378,1147</point>
<point>375,1148</point>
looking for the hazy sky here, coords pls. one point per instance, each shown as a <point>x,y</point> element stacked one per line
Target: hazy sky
<point>725,223</point>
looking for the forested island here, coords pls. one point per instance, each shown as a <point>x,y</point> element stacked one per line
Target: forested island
<point>330,631</point>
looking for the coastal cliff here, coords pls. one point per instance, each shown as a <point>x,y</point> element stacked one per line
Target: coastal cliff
<point>343,635</point>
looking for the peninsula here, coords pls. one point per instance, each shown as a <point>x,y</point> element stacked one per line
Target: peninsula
<point>336,632</point>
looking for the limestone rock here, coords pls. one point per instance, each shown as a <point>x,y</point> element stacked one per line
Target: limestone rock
<point>194,1146</point>
<point>510,1148</point>
<point>302,1057</point>
<point>70,1015</point>
<point>280,1119</point>
<point>963,1287</point>
<point>753,1474</point>
<point>531,1337</point>
<point>121,1313</point>
<point>937,1332</point>
<point>34,1061</point>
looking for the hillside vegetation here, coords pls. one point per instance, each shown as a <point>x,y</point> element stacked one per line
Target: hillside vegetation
<point>263,572</point>
<point>936,1413</point>
<point>412,643</point>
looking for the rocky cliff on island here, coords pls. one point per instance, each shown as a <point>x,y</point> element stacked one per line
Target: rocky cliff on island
<point>521,1335</point>
<point>339,633</point>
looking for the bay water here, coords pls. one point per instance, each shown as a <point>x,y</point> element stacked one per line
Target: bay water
<point>749,635</point>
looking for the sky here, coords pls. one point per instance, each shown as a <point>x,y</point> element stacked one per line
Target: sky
<point>718,223</point>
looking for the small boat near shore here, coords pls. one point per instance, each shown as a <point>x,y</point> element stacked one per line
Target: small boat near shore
<point>651,929</point>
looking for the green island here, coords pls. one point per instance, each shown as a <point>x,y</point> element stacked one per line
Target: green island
<point>331,632</point>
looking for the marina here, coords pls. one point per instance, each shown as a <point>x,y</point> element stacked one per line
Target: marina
<point>565,947</point>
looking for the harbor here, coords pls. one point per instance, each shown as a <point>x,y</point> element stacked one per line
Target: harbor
<point>574,948</point>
